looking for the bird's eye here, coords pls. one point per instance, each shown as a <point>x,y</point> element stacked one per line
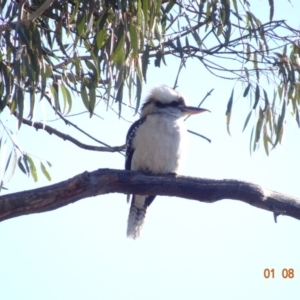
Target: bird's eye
<point>159,104</point>
<point>181,101</point>
<point>174,103</point>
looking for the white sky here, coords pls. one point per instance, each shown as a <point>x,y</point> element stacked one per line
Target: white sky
<point>188,250</point>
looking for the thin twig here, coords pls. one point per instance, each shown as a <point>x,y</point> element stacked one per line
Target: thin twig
<point>198,134</point>
<point>199,105</point>
<point>67,122</point>
<point>66,137</point>
<point>182,64</point>
<point>40,10</point>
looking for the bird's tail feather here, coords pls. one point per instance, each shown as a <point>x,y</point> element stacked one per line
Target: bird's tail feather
<point>137,214</point>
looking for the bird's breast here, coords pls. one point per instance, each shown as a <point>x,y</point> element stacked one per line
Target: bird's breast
<point>159,145</point>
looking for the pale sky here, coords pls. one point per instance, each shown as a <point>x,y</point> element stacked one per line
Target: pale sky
<point>188,250</point>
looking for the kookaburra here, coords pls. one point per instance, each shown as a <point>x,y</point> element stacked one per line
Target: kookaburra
<point>155,144</point>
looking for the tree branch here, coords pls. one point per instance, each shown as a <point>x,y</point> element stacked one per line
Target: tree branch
<point>105,181</point>
<point>40,10</point>
<point>66,137</point>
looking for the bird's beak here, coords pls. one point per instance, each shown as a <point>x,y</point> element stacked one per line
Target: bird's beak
<point>190,110</point>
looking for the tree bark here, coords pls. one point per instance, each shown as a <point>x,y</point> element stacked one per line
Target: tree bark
<point>105,181</point>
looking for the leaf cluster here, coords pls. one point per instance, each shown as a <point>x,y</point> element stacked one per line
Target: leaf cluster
<point>12,155</point>
<point>98,50</point>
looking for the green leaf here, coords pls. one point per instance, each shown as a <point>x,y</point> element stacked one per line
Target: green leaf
<point>119,97</point>
<point>55,95</point>
<point>101,37</point>
<point>74,11</point>
<point>8,82</point>
<point>140,14</point>
<point>67,98</point>
<point>152,16</point>
<point>2,187</point>
<point>258,128</point>
<point>169,6</point>
<point>158,57</point>
<point>220,30</point>
<point>266,141</point>
<point>145,61</point>
<point>119,58</point>
<point>119,78</point>
<point>21,165</point>
<point>226,12</point>
<point>255,61</point>
<point>28,68</point>
<point>20,102</point>
<point>8,161</point>
<point>58,36</point>
<point>279,125</point>
<point>26,164</point>
<point>187,45</point>
<point>298,118</point>
<point>257,95</point>
<point>92,102</point>
<point>227,34</point>
<point>134,40</point>
<point>247,73</point>
<point>80,23</point>
<point>24,35</point>
<point>248,52</point>
<point>235,6</point>
<point>179,47</point>
<point>138,92</point>
<point>138,69</point>
<point>92,67</point>
<point>108,90</point>
<point>269,117</point>
<point>247,90</point>
<point>280,90</point>
<point>266,97</point>
<point>247,120</point>
<point>77,64</point>
<point>253,20</point>
<point>284,51</point>
<point>45,172</point>
<point>118,48</point>
<point>271,3</point>
<point>84,96</point>
<point>62,88</point>
<point>32,168</point>
<point>157,32</point>
<point>228,111</point>
<point>251,138</point>
<point>197,39</point>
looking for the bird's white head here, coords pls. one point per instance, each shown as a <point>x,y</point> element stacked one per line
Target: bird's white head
<point>165,100</point>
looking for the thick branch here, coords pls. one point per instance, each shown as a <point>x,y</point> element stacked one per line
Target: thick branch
<point>105,181</point>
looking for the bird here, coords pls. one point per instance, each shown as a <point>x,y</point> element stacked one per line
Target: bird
<point>155,144</point>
